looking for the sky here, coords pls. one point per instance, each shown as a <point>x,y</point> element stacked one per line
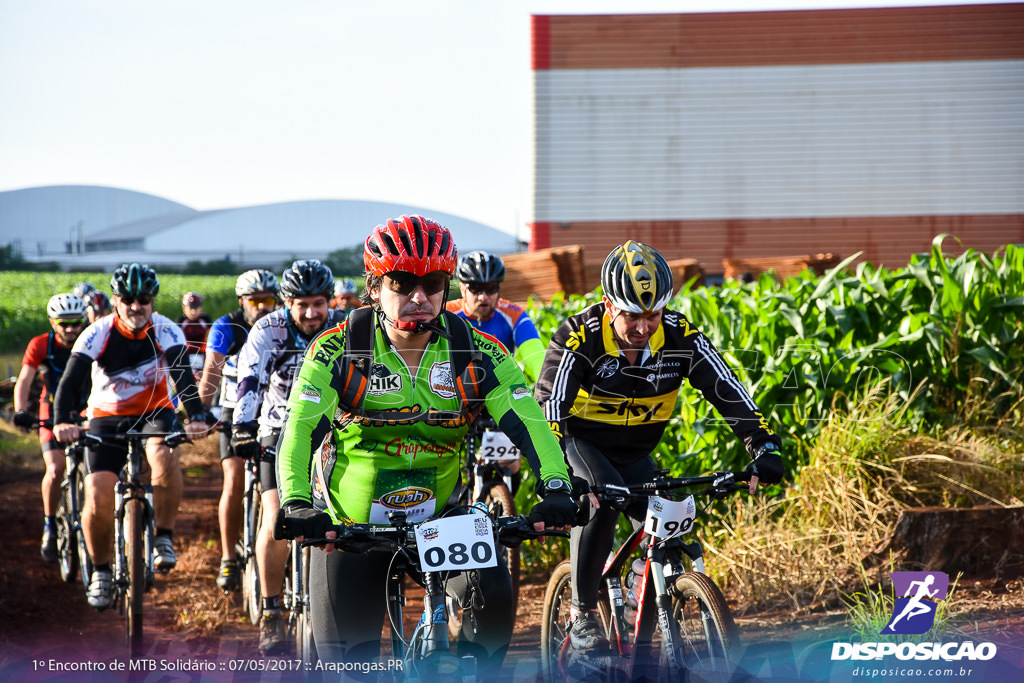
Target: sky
<point>227,103</point>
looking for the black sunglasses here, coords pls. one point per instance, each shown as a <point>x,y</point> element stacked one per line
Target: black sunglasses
<point>489,289</point>
<point>143,300</point>
<point>401,282</point>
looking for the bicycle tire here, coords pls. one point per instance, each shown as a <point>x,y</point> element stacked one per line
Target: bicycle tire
<point>707,630</point>
<point>84,561</point>
<point>67,541</point>
<point>253,595</point>
<point>500,503</point>
<point>555,617</point>
<point>135,548</point>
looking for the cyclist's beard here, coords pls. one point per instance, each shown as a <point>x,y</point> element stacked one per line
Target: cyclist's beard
<point>311,326</point>
<point>67,339</point>
<point>260,312</point>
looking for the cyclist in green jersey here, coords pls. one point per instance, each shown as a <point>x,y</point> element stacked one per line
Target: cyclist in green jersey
<point>361,440</point>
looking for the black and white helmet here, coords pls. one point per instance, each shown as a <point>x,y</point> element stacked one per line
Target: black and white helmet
<point>254,281</point>
<point>308,277</point>
<point>65,306</point>
<point>480,267</point>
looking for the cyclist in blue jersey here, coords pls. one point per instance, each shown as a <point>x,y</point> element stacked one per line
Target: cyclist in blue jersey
<point>257,296</point>
<point>480,275</point>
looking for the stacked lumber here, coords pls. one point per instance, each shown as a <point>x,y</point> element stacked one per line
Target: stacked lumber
<point>783,266</point>
<point>544,273</point>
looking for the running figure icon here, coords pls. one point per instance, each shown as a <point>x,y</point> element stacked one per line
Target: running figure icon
<point>919,595</point>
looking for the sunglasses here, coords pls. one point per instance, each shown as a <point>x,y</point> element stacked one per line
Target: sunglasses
<point>143,300</point>
<point>405,284</point>
<point>71,323</point>
<point>489,289</point>
<point>266,301</point>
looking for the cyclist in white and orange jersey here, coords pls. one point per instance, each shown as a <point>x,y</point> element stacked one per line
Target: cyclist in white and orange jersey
<point>130,353</point>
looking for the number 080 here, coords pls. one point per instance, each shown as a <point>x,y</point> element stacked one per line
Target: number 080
<point>457,555</point>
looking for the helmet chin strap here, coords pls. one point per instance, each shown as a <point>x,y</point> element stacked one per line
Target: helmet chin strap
<point>415,327</point>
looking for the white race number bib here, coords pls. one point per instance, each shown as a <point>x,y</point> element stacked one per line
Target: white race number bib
<point>668,518</point>
<point>463,542</point>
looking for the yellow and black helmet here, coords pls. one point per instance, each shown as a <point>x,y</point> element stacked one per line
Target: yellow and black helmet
<point>636,278</point>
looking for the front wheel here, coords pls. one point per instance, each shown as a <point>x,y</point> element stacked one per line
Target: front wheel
<point>135,548</point>
<point>84,561</point>
<point>500,503</point>
<point>707,632</point>
<point>304,647</point>
<point>555,619</point>
<point>67,535</point>
<point>251,576</point>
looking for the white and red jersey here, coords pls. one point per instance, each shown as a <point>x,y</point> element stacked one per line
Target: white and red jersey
<point>129,370</point>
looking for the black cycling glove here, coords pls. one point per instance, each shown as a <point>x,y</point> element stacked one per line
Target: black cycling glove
<point>299,518</point>
<point>768,466</point>
<point>244,440</point>
<point>557,509</point>
<point>25,420</point>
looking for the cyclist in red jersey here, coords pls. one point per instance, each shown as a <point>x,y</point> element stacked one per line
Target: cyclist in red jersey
<point>194,323</point>
<point>97,305</point>
<point>47,356</point>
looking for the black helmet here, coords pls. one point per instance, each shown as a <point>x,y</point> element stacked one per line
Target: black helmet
<point>134,280</point>
<point>308,277</point>
<point>636,278</point>
<point>255,281</point>
<point>84,288</point>
<point>480,267</point>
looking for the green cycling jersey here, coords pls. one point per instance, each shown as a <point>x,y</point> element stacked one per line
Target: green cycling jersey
<point>407,458</point>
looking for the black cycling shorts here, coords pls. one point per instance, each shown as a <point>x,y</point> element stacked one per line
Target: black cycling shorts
<point>111,457</point>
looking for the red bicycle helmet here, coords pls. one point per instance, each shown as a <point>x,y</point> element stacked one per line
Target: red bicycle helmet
<point>411,244</point>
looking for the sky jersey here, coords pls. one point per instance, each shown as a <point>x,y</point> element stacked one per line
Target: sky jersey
<point>513,327</point>
<point>589,390</point>
<point>411,460</point>
<point>266,368</point>
<point>129,371</point>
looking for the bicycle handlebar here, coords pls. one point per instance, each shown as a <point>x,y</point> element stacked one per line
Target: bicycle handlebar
<point>719,484</point>
<point>172,439</point>
<point>511,531</point>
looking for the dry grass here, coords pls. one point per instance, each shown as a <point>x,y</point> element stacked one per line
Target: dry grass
<point>808,548</point>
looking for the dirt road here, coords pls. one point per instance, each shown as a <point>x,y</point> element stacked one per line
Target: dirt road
<point>191,626</point>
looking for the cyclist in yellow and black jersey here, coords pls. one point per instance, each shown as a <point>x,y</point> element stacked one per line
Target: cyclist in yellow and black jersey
<point>608,386</point>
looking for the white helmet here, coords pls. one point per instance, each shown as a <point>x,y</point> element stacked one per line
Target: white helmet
<point>256,280</point>
<point>65,306</point>
<point>345,286</point>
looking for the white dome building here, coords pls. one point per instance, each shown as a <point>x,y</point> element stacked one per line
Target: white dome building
<point>99,228</point>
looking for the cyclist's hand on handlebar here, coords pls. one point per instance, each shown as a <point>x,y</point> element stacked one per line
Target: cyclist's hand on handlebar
<point>244,440</point>
<point>66,432</point>
<point>766,468</point>
<point>299,520</point>
<point>557,511</point>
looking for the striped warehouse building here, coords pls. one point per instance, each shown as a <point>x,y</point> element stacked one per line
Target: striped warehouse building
<point>757,134</point>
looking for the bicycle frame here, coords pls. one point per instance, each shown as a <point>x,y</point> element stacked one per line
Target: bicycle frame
<point>672,568</point>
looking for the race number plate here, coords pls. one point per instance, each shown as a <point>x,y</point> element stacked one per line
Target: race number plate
<point>668,518</point>
<point>463,542</point>
<point>495,446</point>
